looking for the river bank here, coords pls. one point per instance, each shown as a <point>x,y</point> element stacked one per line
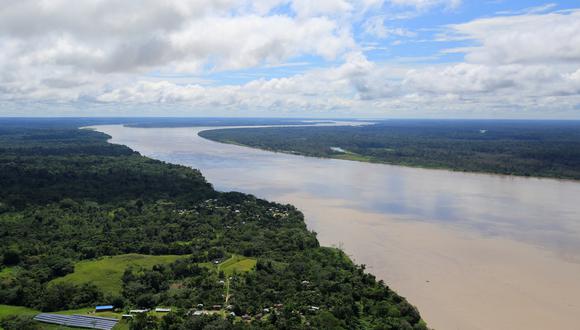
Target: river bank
<point>472,251</point>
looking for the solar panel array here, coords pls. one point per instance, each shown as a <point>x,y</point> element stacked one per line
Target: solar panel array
<point>80,321</point>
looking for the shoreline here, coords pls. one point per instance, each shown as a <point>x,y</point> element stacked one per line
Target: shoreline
<point>370,161</point>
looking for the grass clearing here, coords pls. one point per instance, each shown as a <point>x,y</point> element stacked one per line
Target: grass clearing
<point>354,157</point>
<point>106,272</point>
<point>8,310</point>
<point>236,263</point>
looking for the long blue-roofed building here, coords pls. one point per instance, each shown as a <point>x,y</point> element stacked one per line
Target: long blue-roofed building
<point>104,308</point>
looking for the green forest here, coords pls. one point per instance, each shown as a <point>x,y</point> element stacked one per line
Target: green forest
<point>524,148</point>
<point>84,222</point>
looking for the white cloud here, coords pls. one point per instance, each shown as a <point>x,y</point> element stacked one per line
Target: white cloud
<point>524,39</point>
<point>136,53</point>
<point>530,10</point>
<point>361,83</point>
<point>97,44</point>
<point>515,79</point>
<point>426,4</point>
<point>140,36</point>
<point>341,87</point>
<point>321,7</point>
<point>375,26</point>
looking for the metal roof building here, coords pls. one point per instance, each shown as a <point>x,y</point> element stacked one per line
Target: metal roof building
<point>79,321</point>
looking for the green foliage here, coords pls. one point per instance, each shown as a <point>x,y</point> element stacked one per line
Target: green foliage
<point>6,310</point>
<point>19,323</point>
<point>526,148</point>
<point>237,264</point>
<point>106,272</point>
<point>84,222</point>
<point>62,296</point>
<point>326,320</point>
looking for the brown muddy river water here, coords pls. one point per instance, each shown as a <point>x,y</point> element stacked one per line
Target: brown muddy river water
<point>472,251</point>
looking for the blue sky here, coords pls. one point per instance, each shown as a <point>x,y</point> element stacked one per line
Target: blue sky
<point>329,58</point>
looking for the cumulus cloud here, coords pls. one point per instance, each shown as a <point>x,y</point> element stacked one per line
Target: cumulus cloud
<point>524,39</point>
<point>360,83</point>
<point>100,36</point>
<point>118,53</point>
<point>93,44</point>
<point>465,78</point>
<point>526,61</point>
<point>327,88</point>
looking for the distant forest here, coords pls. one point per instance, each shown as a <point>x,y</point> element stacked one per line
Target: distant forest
<point>70,201</point>
<point>524,148</point>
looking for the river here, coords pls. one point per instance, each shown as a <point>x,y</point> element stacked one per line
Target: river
<point>472,251</point>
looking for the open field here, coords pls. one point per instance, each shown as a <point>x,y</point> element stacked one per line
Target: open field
<point>239,264</point>
<point>8,310</point>
<point>106,272</point>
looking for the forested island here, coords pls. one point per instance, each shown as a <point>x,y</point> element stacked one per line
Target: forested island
<point>523,148</point>
<point>86,223</point>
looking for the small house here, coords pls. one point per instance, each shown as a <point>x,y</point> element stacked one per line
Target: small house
<point>162,310</point>
<point>138,311</point>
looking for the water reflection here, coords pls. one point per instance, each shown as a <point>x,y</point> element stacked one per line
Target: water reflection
<point>538,211</point>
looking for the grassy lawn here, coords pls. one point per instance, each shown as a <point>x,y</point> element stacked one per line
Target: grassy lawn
<point>239,264</point>
<point>106,272</point>
<point>7,310</point>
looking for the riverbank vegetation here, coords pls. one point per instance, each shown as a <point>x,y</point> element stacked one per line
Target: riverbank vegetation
<point>84,222</point>
<point>524,148</point>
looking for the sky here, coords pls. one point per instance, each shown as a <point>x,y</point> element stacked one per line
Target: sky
<point>291,58</point>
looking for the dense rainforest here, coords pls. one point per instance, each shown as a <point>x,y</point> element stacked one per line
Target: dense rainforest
<point>70,201</point>
<point>525,148</point>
